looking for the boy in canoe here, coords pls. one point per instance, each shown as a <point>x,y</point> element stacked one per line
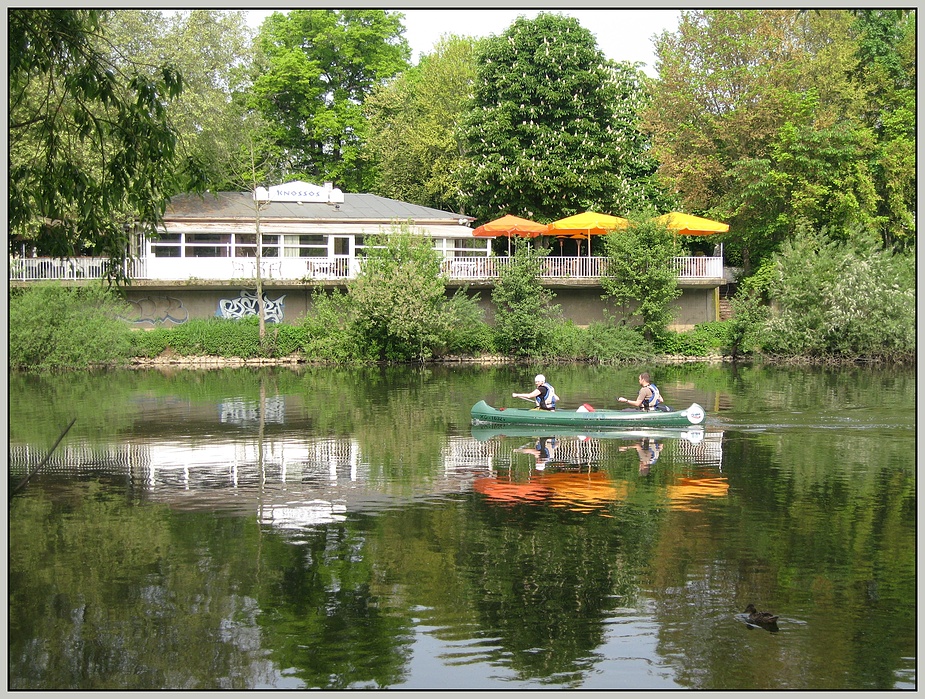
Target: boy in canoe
<point>544,394</point>
<point>649,397</point>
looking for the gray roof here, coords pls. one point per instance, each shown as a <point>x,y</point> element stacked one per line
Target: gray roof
<point>355,207</point>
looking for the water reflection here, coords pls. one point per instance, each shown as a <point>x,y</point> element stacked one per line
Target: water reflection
<point>332,530</point>
<point>293,482</point>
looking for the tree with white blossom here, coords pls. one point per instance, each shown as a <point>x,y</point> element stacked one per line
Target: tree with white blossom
<point>552,129</point>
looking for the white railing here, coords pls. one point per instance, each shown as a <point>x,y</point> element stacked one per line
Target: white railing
<point>28,269</point>
<point>323,268</point>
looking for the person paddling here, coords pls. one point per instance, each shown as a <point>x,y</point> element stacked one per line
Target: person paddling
<point>544,394</point>
<point>649,397</point>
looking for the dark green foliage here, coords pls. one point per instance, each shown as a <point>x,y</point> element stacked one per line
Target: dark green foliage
<point>640,276</point>
<point>468,333</point>
<point>55,327</point>
<point>91,145</point>
<point>522,307</point>
<point>599,342</point>
<point>150,343</point>
<point>330,333</point>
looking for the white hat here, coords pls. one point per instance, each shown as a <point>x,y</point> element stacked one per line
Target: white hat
<point>539,378</point>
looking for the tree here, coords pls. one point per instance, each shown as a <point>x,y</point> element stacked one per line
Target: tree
<point>414,145</point>
<point>313,71</point>
<point>551,128</point>
<point>523,309</point>
<point>886,64</point>
<point>639,271</point>
<point>211,49</point>
<point>398,298</point>
<point>759,119</point>
<point>92,149</point>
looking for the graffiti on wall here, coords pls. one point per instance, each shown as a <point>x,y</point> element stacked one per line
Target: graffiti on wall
<point>156,310</point>
<point>246,305</point>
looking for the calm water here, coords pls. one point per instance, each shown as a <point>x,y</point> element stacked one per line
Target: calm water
<point>328,528</point>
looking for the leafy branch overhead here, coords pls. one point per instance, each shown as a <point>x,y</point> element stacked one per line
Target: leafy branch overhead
<point>92,149</point>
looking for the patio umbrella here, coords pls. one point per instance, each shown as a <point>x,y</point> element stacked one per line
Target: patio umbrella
<point>510,226</point>
<point>585,225</point>
<point>686,224</point>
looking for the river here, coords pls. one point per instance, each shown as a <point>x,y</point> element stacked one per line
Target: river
<point>331,528</point>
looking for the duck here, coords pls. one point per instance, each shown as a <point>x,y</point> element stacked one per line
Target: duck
<point>756,617</point>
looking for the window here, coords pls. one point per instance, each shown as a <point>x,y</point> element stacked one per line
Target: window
<point>167,245</point>
<point>207,245</point>
<point>245,245</point>
<point>305,246</point>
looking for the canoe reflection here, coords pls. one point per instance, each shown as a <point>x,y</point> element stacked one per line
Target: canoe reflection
<point>571,471</point>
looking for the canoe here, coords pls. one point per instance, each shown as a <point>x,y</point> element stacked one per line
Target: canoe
<point>484,414</point>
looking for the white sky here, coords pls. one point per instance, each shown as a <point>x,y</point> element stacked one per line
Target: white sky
<point>622,34</point>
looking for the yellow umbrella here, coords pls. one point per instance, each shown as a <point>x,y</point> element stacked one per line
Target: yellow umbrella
<point>686,224</point>
<point>587,224</point>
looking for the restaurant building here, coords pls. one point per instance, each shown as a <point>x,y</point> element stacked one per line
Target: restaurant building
<point>204,262</point>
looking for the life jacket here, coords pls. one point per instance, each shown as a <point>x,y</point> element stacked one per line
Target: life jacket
<point>653,401</point>
<point>547,398</point>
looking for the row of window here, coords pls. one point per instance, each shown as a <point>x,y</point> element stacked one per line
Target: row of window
<point>245,245</point>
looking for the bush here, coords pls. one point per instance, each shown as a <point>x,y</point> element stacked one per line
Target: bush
<point>55,327</point>
<point>841,299</point>
<point>468,333</point>
<point>523,310</point>
<point>149,343</point>
<point>218,337</point>
<point>329,333</point>
<point>398,302</point>
<point>704,339</point>
<point>640,273</point>
<point>599,342</point>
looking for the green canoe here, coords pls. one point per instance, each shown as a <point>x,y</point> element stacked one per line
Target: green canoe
<point>484,414</point>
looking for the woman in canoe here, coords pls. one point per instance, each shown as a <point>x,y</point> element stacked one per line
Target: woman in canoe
<point>649,397</point>
<point>544,394</point>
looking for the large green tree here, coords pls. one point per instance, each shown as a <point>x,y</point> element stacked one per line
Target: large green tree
<point>313,71</point>
<point>763,118</point>
<point>551,126</point>
<point>414,143</point>
<point>92,148</point>
<point>211,49</point>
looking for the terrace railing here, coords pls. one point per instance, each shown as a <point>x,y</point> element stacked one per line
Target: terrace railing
<point>325,269</point>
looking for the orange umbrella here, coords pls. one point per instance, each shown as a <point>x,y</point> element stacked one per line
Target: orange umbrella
<point>585,225</point>
<point>686,224</point>
<point>510,225</point>
<point>511,491</point>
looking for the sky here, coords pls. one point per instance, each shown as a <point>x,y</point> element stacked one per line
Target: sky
<point>622,34</point>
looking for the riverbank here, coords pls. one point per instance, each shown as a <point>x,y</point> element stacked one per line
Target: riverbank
<point>174,360</point>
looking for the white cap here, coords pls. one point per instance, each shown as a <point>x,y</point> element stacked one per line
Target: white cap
<point>539,378</point>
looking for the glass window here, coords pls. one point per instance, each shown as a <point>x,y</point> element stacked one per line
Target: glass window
<point>200,238</point>
<point>166,250</point>
<point>341,246</point>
